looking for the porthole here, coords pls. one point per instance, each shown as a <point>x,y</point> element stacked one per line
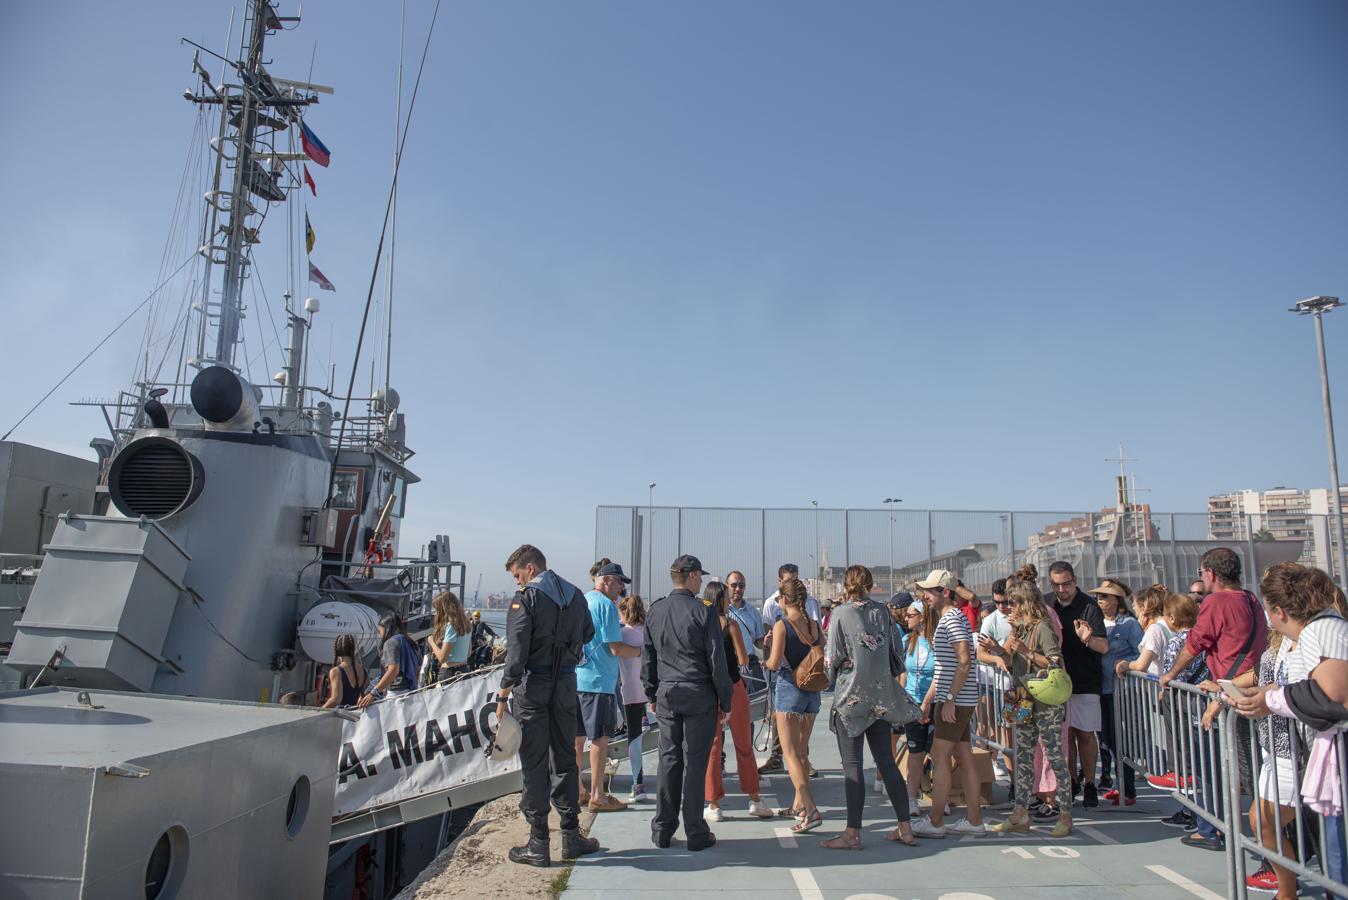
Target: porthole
<point>167,866</point>
<point>297,807</point>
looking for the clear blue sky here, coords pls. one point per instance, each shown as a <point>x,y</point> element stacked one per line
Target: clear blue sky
<point>759,253</point>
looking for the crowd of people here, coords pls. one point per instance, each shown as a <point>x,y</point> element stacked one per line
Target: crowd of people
<point>911,677</point>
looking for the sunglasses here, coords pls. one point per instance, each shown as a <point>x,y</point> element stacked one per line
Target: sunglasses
<point>1002,602</point>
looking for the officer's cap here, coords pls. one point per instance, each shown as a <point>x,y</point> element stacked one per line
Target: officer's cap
<point>687,565</point>
<point>613,569</point>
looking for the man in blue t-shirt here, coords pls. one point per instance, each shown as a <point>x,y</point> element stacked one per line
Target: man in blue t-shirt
<point>597,679</point>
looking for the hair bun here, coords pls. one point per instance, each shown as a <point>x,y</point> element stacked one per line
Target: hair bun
<point>1027,572</point>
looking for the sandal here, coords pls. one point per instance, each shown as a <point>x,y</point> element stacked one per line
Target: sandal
<point>1012,826</point>
<point>787,812</point>
<point>809,822</point>
<point>898,837</point>
<point>841,842</point>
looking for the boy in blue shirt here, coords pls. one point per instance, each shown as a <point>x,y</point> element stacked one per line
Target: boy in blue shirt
<point>597,679</point>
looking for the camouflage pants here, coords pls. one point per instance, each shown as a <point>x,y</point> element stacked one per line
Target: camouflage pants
<point>1046,724</point>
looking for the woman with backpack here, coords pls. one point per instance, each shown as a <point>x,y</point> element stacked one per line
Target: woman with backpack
<point>864,659</point>
<point>797,656</point>
<point>399,657</point>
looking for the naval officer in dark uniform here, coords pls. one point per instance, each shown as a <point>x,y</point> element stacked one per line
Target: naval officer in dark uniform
<point>684,670</point>
<point>547,627</point>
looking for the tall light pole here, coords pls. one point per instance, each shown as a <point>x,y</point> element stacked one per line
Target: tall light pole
<point>889,501</point>
<point>818,563</point>
<point>1317,306</point>
<point>650,539</point>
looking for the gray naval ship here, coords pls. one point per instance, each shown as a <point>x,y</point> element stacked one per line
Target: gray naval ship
<point>156,604</point>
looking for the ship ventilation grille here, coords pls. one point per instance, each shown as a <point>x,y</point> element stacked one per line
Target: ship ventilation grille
<point>154,477</point>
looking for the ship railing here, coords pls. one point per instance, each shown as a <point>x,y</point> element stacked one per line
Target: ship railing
<point>19,563</point>
<point>1215,765</point>
<point>417,581</point>
<point>19,570</point>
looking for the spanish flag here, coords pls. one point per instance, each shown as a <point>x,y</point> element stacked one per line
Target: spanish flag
<point>308,235</point>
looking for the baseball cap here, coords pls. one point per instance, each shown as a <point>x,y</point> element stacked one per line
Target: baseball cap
<point>613,569</point>
<point>939,578</point>
<point>688,564</point>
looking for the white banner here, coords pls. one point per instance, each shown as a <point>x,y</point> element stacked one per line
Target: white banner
<point>412,744</point>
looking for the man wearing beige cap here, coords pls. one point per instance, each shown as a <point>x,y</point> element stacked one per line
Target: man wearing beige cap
<point>951,702</point>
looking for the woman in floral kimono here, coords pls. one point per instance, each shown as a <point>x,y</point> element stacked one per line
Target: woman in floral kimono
<point>863,657</point>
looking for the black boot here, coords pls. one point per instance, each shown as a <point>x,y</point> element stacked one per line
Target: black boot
<point>576,844</point>
<point>534,853</point>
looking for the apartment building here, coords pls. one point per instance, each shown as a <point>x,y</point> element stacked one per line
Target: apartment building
<point>1276,514</point>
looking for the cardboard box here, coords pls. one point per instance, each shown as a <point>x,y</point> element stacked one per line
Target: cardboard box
<point>982,765</point>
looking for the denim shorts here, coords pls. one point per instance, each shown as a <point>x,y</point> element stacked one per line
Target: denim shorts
<point>787,698</point>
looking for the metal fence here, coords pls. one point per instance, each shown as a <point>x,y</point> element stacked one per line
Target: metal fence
<point>1225,771</point>
<point>1138,546</point>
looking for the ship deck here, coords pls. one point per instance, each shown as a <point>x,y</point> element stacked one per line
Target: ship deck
<point>1113,853</point>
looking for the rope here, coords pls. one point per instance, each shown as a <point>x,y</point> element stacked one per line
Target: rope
<point>99,345</point>
<point>379,252</point>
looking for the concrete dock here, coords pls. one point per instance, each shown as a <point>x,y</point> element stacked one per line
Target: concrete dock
<point>1113,853</point>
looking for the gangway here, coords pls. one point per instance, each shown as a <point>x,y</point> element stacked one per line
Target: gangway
<point>440,802</point>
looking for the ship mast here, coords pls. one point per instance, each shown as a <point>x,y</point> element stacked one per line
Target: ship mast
<point>256,103</point>
<point>231,302</point>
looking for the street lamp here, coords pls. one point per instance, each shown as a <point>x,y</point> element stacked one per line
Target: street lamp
<point>888,502</point>
<point>1317,306</point>
<point>818,563</point>
<point>650,540</point>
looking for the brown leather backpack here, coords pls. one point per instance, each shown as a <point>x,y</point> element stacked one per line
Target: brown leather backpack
<point>810,674</point>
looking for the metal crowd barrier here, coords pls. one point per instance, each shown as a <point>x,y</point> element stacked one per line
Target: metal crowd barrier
<point>1220,772</point>
<point>1303,844</point>
<point>989,729</point>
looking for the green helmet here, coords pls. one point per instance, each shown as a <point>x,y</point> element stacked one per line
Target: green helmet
<point>1051,687</point>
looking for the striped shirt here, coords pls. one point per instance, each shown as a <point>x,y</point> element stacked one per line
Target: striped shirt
<point>952,629</point>
<point>1325,636</point>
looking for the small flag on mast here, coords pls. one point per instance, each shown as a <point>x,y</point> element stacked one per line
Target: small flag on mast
<point>308,235</point>
<point>313,147</point>
<point>309,180</point>
<point>319,278</point>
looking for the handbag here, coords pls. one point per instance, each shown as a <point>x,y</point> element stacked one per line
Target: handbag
<point>810,674</point>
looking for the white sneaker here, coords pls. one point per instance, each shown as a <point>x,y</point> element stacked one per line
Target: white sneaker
<point>879,785</point>
<point>712,814</point>
<point>759,810</point>
<point>638,795</point>
<point>923,828</point>
<point>964,826</point>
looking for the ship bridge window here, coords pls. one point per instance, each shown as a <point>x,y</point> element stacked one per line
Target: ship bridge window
<point>345,489</point>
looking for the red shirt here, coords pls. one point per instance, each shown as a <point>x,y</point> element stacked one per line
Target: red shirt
<point>1223,630</point>
<point>971,611</point>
